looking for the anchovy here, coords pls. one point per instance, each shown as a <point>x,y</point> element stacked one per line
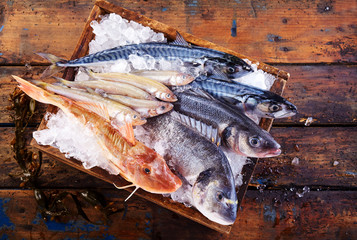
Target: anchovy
<point>213,61</point>
<point>236,130</point>
<point>202,165</point>
<point>253,101</point>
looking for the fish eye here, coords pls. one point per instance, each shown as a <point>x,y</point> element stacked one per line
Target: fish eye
<point>274,108</point>
<point>135,116</point>
<point>162,107</point>
<point>147,170</point>
<point>168,95</point>
<point>254,141</point>
<point>230,70</point>
<point>219,196</point>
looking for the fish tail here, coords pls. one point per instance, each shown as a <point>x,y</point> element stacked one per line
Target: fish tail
<point>53,68</point>
<point>64,82</point>
<point>38,93</point>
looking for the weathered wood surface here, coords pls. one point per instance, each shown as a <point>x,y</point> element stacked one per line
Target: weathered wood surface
<point>317,215</point>
<point>284,31</point>
<point>317,154</point>
<point>330,91</point>
<point>291,34</point>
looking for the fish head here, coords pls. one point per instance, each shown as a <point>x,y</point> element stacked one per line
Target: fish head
<point>214,196</point>
<point>166,96</point>
<point>251,142</point>
<point>162,108</point>
<point>274,107</point>
<point>135,119</point>
<point>236,67</point>
<point>181,79</point>
<point>150,172</point>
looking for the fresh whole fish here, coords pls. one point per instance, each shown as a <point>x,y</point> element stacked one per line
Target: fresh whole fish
<point>157,89</point>
<point>169,78</point>
<point>216,119</point>
<point>118,113</point>
<point>146,108</point>
<point>212,61</point>
<point>253,101</point>
<point>138,164</point>
<point>201,164</point>
<point>109,87</point>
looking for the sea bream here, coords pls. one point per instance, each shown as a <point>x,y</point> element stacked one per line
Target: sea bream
<point>219,122</point>
<point>203,167</point>
<point>253,101</point>
<point>210,61</point>
<point>137,163</point>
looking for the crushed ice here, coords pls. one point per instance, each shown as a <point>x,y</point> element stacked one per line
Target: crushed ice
<point>112,31</point>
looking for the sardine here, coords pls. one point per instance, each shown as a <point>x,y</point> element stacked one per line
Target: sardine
<point>109,87</point>
<point>253,101</point>
<point>212,62</point>
<point>201,164</point>
<point>236,130</point>
<point>155,88</point>
<point>146,108</point>
<point>138,164</point>
<point>169,78</point>
<point>118,113</point>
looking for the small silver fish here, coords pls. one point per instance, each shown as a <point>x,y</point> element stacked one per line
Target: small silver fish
<point>235,129</point>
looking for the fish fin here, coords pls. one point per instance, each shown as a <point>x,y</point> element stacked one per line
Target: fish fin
<point>131,194</point>
<point>38,93</point>
<point>127,131</point>
<point>90,73</point>
<point>207,131</point>
<point>180,40</point>
<point>98,108</point>
<point>127,186</point>
<point>219,75</point>
<point>199,92</point>
<point>53,68</point>
<point>230,100</point>
<point>205,175</point>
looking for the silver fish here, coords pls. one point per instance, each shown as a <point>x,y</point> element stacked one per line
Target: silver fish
<point>253,101</point>
<point>211,61</point>
<point>200,163</point>
<point>236,130</point>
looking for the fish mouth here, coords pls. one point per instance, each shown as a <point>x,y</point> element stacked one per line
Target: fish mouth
<point>272,153</point>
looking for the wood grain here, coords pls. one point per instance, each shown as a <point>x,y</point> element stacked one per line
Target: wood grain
<point>267,215</point>
<point>284,31</point>
<point>326,93</point>
<point>318,147</point>
<point>317,150</point>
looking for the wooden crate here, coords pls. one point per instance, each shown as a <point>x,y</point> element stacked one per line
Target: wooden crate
<point>102,7</point>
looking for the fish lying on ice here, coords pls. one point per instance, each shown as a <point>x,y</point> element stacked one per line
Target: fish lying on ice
<point>215,119</point>
<point>169,78</point>
<point>138,164</point>
<point>199,162</point>
<point>210,61</point>
<point>253,101</point>
<point>109,87</point>
<point>155,88</point>
<point>146,108</point>
<point>111,110</point>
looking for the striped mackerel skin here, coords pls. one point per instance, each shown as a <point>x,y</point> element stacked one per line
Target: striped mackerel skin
<point>156,50</point>
<point>235,90</point>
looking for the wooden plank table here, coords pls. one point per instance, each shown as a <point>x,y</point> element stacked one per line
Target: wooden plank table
<point>315,41</point>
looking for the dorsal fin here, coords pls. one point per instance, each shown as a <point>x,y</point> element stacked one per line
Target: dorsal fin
<point>208,131</point>
<point>180,40</point>
<point>98,108</point>
<point>199,92</point>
